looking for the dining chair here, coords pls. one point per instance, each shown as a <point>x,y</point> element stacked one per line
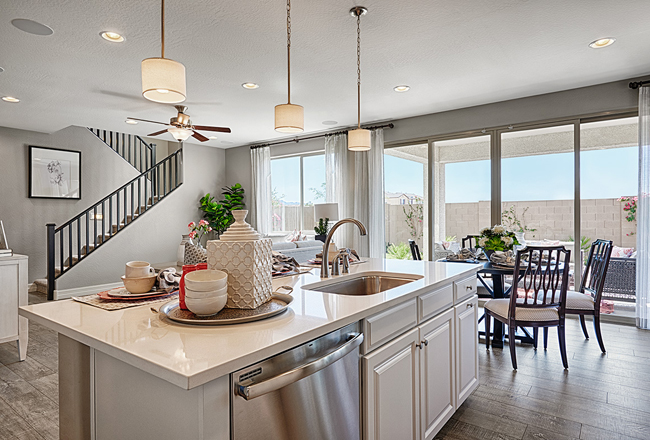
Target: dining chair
<point>541,296</point>
<point>415,250</point>
<point>466,243</point>
<point>586,301</point>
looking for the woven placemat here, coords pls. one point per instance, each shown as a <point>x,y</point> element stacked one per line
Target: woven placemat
<point>108,304</point>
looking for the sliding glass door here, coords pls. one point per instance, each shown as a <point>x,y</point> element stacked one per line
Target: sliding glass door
<point>406,198</point>
<point>609,181</point>
<point>461,187</point>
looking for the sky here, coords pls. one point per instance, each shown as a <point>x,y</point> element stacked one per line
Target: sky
<point>606,173</point>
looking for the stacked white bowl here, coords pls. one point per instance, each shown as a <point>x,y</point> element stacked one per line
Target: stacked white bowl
<point>206,291</point>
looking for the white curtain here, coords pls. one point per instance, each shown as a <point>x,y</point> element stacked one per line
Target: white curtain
<point>643,214</point>
<point>261,208</point>
<point>355,180</point>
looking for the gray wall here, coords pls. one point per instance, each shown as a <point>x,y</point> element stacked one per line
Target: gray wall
<point>612,96</point>
<point>154,237</point>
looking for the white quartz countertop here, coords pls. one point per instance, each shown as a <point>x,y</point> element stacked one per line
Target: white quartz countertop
<point>189,356</point>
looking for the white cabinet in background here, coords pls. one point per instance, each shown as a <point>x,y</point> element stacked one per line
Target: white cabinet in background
<point>13,294</point>
<point>391,387</point>
<point>466,348</point>
<point>437,373</point>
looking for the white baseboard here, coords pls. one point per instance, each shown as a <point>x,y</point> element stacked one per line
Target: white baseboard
<point>86,290</point>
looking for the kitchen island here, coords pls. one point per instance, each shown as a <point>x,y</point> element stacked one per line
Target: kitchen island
<point>130,374</point>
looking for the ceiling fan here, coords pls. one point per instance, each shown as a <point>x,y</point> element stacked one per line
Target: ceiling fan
<point>181,127</point>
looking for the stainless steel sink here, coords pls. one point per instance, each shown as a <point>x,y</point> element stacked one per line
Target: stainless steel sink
<point>364,284</point>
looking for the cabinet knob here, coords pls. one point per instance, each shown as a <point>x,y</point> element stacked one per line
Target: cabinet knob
<point>470,305</point>
<point>468,287</point>
<point>422,344</point>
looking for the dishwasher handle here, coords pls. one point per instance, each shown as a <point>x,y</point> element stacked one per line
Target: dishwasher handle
<point>288,377</point>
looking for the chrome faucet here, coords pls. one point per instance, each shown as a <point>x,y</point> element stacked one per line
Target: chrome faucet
<point>324,267</point>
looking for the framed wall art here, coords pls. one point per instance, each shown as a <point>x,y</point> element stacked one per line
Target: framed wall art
<point>54,173</point>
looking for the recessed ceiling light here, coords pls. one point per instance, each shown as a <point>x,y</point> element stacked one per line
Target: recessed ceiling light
<point>131,121</point>
<point>250,86</point>
<point>212,137</point>
<point>1,70</point>
<point>31,27</point>
<point>602,42</point>
<point>10,99</point>
<point>401,89</point>
<point>113,37</point>
<point>329,122</point>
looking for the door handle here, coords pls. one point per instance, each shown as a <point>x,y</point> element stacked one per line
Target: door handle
<point>294,375</point>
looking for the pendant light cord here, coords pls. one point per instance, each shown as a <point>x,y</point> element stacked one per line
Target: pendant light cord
<point>359,70</point>
<point>288,51</point>
<point>162,28</point>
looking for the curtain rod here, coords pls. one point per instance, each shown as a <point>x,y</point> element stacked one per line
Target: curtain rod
<point>296,140</point>
<point>636,85</point>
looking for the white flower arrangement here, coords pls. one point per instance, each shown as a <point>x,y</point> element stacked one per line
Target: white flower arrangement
<point>497,238</point>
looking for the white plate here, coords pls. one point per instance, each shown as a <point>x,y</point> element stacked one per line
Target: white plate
<point>123,293</point>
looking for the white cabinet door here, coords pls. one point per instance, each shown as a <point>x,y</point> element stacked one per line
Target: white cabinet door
<point>466,349</point>
<point>391,390</point>
<point>437,373</point>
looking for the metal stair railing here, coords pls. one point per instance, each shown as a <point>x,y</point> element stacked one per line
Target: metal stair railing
<point>132,148</point>
<point>96,225</point>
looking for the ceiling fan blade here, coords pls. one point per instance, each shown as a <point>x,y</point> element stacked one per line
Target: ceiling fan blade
<point>208,128</point>
<point>199,136</point>
<point>146,120</point>
<point>158,132</point>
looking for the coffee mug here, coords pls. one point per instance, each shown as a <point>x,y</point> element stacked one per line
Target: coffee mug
<point>138,269</point>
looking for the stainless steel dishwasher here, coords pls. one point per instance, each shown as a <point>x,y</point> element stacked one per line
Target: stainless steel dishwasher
<point>309,392</point>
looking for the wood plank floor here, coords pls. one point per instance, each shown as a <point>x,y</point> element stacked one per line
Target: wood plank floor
<point>600,397</point>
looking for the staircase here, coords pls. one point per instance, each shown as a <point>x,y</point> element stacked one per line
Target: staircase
<point>131,148</point>
<point>75,240</point>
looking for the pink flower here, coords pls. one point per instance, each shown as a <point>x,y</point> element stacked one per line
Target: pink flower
<point>191,225</point>
<point>209,229</point>
<point>202,223</point>
<point>193,234</point>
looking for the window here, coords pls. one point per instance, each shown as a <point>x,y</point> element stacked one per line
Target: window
<point>297,182</point>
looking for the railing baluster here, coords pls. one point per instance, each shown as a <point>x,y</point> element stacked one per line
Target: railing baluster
<point>164,173</point>
<point>117,211</point>
<point>132,201</point>
<point>70,245</point>
<point>61,246</point>
<point>87,232</point>
<point>51,259</point>
<point>78,238</point>
<point>110,214</point>
<point>104,221</point>
<point>125,206</point>
<point>95,225</point>
<point>140,153</point>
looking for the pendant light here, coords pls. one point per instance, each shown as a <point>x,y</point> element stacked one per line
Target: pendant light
<point>358,139</point>
<point>163,80</point>
<point>289,118</point>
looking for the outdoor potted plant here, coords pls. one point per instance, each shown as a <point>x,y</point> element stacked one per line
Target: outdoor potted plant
<point>512,222</point>
<point>496,238</point>
<point>322,229</point>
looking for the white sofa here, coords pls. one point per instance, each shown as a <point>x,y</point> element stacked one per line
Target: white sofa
<point>301,251</point>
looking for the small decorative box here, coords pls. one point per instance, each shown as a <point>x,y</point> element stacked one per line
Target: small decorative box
<point>248,261</point>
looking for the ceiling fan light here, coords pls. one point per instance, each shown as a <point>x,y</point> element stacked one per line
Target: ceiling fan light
<point>359,140</point>
<point>180,134</point>
<point>289,118</point>
<point>163,80</point>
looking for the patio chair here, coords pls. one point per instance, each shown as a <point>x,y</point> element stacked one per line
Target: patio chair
<point>586,301</point>
<point>544,273</point>
<point>415,250</point>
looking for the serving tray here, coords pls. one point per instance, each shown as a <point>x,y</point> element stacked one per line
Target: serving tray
<point>278,304</point>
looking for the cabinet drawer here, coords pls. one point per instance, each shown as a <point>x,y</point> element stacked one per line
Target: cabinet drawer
<point>386,325</point>
<point>464,288</point>
<point>432,303</point>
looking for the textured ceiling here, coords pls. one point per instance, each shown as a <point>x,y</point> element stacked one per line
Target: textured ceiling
<point>452,53</point>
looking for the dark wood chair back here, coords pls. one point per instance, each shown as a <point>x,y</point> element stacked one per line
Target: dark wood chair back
<point>469,242</point>
<point>415,250</point>
<point>544,277</point>
<point>593,277</point>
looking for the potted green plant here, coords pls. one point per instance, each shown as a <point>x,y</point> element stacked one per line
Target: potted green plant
<point>496,238</point>
<point>219,214</point>
<point>322,229</point>
<point>512,222</point>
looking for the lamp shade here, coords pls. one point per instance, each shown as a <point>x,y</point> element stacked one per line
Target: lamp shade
<point>326,210</point>
<point>289,118</point>
<point>180,134</point>
<point>359,140</point>
<point>163,80</point>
